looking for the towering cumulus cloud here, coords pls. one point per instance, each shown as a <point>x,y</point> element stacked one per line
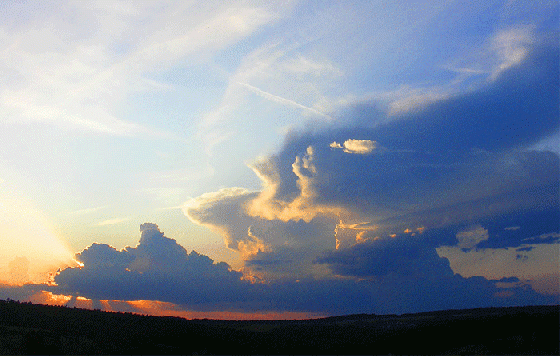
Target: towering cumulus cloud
<point>373,200</point>
<point>156,269</point>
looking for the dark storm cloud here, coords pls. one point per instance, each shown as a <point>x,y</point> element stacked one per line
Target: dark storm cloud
<point>378,258</point>
<point>402,186</point>
<point>157,269</point>
<point>428,177</point>
<point>417,280</point>
<point>533,227</point>
<point>458,161</point>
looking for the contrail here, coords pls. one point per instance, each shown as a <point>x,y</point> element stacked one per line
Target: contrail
<point>283,101</point>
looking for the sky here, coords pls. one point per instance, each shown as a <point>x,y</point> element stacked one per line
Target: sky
<point>281,159</point>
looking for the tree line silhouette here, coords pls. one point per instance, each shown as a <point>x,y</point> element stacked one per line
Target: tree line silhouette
<point>27,328</point>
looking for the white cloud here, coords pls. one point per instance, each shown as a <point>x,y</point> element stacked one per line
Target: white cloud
<point>281,74</point>
<point>113,221</point>
<point>223,212</point>
<point>426,179</point>
<point>359,146</point>
<point>511,47</point>
<point>305,65</point>
<point>283,101</point>
<point>301,206</point>
<point>88,210</point>
<point>407,99</point>
<point>551,144</point>
<point>356,146</point>
<point>76,78</point>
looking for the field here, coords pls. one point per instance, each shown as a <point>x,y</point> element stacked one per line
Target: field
<point>39,329</point>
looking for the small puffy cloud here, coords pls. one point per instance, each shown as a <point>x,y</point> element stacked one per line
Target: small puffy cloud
<point>356,146</point>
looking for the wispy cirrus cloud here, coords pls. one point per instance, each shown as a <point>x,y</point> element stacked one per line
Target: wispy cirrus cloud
<point>283,101</point>
<point>75,76</point>
<point>88,210</point>
<point>278,73</point>
<point>113,221</point>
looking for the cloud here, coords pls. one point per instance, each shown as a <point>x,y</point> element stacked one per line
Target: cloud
<point>156,269</point>
<point>113,221</point>
<point>356,146</point>
<point>222,211</point>
<point>482,63</point>
<point>455,172</point>
<point>471,237</point>
<point>283,101</point>
<point>511,46</point>
<point>280,72</point>
<point>452,164</point>
<point>403,256</point>
<point>409,278</point>
<point>90,65</point>
<point>530,263</point>
<point>290,244</point>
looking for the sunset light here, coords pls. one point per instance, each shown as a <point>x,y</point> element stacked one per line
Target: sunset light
<point>279,159</point>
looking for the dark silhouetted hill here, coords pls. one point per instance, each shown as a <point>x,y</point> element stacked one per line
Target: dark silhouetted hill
<point>39,329</point>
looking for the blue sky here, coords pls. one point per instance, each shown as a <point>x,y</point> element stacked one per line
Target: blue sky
<point>347,149</point>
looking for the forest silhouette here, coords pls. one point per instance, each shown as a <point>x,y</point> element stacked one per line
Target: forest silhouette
<point>27,328</point>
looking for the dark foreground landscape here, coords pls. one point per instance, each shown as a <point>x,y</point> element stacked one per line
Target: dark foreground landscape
<point>40,329</point>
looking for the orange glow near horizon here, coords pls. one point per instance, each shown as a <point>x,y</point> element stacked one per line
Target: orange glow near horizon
<point>44,297</point>
<point>30,248</point>
<point>157,308</point>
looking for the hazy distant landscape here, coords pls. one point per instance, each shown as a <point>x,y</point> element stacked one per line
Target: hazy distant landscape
<point>39,329</point>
